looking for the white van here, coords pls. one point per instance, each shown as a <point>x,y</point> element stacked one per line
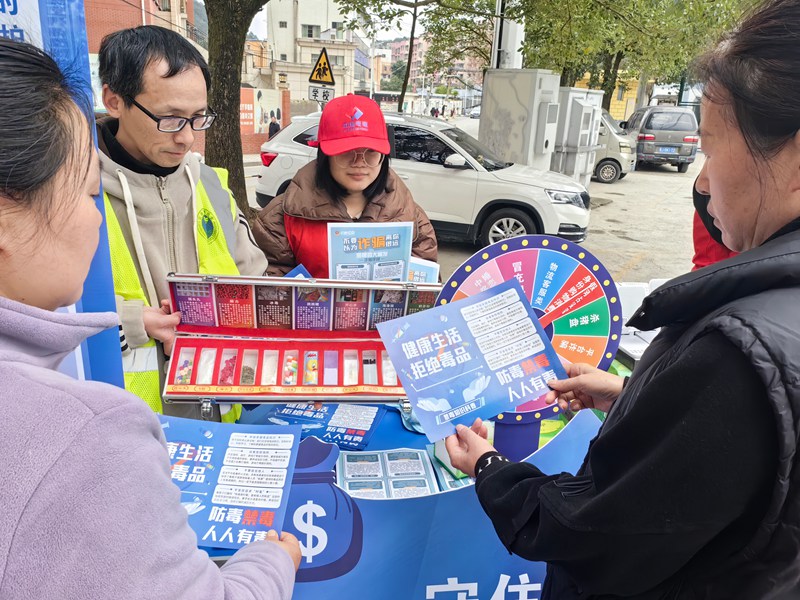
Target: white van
<point>617,157</point>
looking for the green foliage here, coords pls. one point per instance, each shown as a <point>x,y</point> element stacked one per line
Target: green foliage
<point>395,83</point>
<point>658,37</point>
<point>458,28</point>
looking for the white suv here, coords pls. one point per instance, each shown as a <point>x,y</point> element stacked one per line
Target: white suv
<point>468,193</point>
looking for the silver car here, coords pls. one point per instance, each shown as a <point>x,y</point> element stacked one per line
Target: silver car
<point>664,135</point>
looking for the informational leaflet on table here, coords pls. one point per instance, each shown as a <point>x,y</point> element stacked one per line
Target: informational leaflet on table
<point>349,426</point>
<point>423,271</point>
<point>401,473</point>
<point>476,357</point>
<point>234,479</point>
<point>369,251</point>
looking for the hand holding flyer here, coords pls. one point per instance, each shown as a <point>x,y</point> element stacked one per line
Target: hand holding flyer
<point>477,357</point>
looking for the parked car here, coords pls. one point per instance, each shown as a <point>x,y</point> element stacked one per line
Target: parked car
<point>475,112</point>
<point>468,192</point>
<point>617,157</point>
<point>664,135</point>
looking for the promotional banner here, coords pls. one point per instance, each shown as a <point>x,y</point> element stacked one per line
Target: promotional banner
<point>256,107</point>
<point>59,27</point>
<point>436,547</point>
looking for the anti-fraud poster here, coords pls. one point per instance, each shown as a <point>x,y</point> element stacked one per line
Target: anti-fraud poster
<point>234,480</point>
<point>369,251</point>
<point>477,357</point>
<point>59,27</point>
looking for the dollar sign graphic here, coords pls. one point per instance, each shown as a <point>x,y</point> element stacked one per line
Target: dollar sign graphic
<point>316,538</point>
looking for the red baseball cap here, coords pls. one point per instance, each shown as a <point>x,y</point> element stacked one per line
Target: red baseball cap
<point>350,122</point>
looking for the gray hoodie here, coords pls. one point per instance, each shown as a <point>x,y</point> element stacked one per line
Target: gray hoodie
<point>166,227</point>
<point>88,507</point>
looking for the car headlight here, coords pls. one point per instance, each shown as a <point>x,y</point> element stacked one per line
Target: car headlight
<point>625,148</point>
<point>559,197</point>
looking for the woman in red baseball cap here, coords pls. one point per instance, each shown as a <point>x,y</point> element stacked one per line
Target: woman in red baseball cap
<point>349,181</point>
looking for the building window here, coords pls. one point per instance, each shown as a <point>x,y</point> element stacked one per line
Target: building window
<point>620,92</point>
<point>164,5</point>
<point>336,60</point>
<point>283,57</point>
<point>282,24</point>
<point>336,25</point>
<point>310,31</point>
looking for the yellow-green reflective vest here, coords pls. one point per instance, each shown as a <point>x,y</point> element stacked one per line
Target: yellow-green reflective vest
<point>215,239</point>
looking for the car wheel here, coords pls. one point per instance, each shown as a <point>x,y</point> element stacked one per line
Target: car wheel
<point>607,171</point>
<point>640,165</point>
<point>683,167</point>
<point>506,223</point>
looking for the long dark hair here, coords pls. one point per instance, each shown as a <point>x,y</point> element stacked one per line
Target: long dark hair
<point>755,70</point>
<point>40,117</point>
<point>325,181</point>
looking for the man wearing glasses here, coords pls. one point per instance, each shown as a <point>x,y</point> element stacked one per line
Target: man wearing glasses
<point>166,211</point>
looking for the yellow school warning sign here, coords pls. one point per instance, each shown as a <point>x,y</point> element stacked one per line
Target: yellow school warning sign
<point>322,72</point>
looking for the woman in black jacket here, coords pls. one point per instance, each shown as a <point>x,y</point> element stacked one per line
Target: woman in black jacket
<point>691,489</point>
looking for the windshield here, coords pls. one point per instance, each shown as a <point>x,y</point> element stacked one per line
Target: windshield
<point>487,159</point>
<point>612,124</point>
<point>672,121</point>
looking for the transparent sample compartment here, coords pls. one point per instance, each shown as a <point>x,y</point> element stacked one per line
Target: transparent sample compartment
<point>205,366</point>
<point>185,368</point>
<point>249,367</point>
<point>351,366</point>
<point>227,367</point>
<point>388,374</point>
<point>330,368</point>
<point>269,367</point>
<point>289,367</point>
<point>369,363</point>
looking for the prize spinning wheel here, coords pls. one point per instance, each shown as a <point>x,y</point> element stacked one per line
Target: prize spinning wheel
<point>570,291</point>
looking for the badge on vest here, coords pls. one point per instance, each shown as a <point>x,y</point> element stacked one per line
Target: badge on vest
<point>207,224</point>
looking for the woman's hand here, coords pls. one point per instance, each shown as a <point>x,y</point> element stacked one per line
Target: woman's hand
<point>160,324</point>
<point>467,446</point>
<point>587,387</point>
<point>289,543</point>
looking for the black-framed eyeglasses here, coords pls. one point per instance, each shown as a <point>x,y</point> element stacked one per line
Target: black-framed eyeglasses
<point>175,124</point>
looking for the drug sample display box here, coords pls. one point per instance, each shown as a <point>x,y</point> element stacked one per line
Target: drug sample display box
<point>275,339</point>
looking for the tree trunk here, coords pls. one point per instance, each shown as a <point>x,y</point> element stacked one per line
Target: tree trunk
<point>642,95</point>
<point>408,63</point>
<point>228,21</point>
<point>570,76</point>
<point>610,74</point>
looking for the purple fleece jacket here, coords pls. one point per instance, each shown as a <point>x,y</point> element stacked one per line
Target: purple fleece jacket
<point>87,507</point>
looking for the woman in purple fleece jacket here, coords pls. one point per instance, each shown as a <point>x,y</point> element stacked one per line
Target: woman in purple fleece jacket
<point>88,509</point>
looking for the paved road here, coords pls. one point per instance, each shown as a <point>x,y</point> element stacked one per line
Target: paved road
<point>640,227</point>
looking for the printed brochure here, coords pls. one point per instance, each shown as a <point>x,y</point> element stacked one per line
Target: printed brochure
<point>476,357</point>
<point>369,251</point>
<point>349,426</point>
<point>401,473</point>
<point>234,479</point>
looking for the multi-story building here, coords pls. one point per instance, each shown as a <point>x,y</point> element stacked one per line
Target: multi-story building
<point>417,78</point>
<point>466,72</point>
<point>297,32</point>
<point>106,16</point>
<point>381,66</point>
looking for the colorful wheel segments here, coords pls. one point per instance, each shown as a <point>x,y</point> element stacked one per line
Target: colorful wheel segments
<point>571,292</point>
